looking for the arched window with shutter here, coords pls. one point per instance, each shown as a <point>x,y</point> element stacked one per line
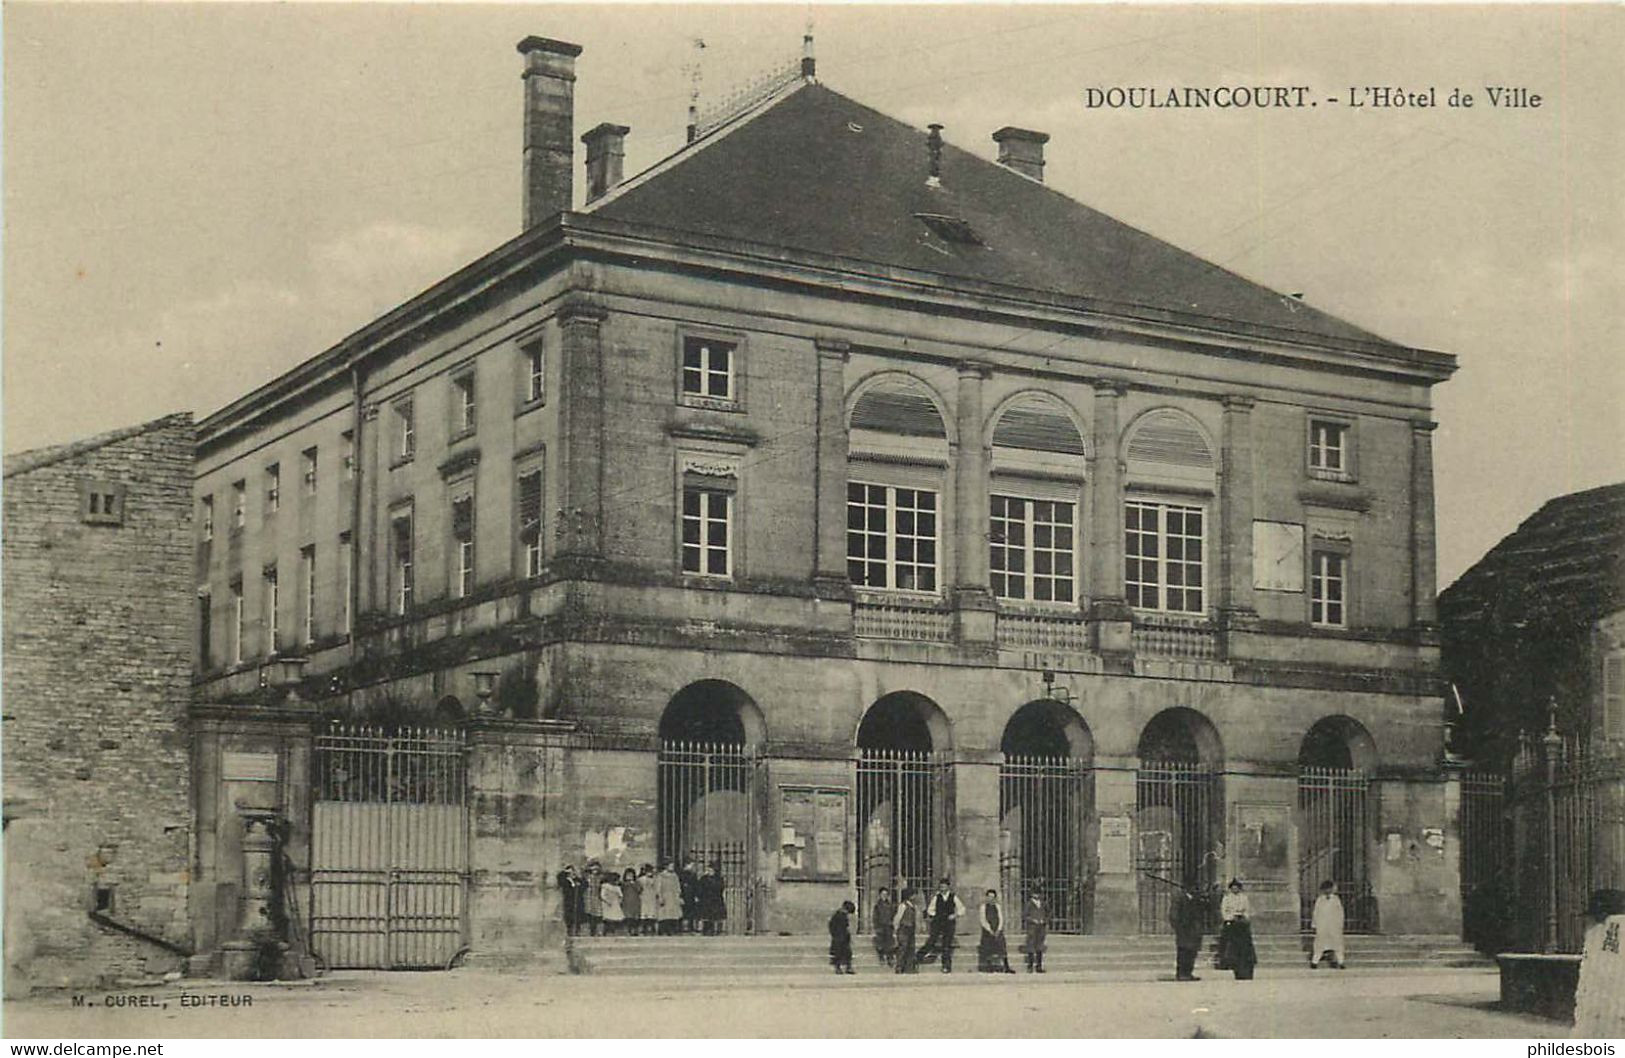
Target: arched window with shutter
<point>1034,543</point>
<point>898,454</point>
<point>1170,478</point>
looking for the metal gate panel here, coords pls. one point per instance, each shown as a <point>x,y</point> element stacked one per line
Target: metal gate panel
<point>389,848</point>
<point>900,823</point>
<point>1178,836</point>
<point>1046,808</point>
<point>707,794</point>
<point>1336,810</point>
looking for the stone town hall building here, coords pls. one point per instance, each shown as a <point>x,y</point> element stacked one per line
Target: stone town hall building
<point>839,506</point>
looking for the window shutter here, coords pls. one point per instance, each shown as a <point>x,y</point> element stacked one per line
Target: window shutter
<point>462,518</point>
<point>530,506</point>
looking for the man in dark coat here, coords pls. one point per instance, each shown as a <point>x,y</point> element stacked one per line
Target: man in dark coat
<point>942,912</point>
<point>713,906</point>
<point>570,899</point>
<point>1188,916</point>
<point>689,879</point>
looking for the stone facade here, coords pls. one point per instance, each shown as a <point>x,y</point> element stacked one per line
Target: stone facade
<point>563,355</point>
<point>98,651</point>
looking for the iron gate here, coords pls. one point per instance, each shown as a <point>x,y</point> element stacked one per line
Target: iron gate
<point>1335,830</point>
<point>389,848</point>
<point>1046,805</point>
<point>707,806</point>
<point>1178,836</point>
<point>900,822</point>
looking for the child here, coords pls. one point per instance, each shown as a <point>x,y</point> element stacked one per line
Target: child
<point>1035,923</point>
<point>840,938</point>
<point>593,897</point>
<point>646,907</point>
<point>1327,920</point>
<point>610,894</point>
<point>885,943</point>
<point>631,900</point>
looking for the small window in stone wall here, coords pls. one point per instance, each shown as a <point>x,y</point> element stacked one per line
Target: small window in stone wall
<point>101,502</point>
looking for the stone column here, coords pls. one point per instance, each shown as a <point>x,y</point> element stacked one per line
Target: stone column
<point>1424,571</point>
<point>367,547</point>
<point>580,524</point>
<point>1109,615</point>
<point>829,484</point>
<point>971,595</point>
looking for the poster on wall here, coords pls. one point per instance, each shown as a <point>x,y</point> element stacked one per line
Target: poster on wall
<point>1116,840</point>
<point>1260,838</point>
<point>812,834</point>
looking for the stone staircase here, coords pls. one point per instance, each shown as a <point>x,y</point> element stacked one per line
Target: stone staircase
<point>1131,957</point>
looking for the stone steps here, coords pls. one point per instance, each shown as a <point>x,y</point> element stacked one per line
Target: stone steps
<point>802,955</point>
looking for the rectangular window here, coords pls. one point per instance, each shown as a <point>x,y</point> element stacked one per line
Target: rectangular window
<point>1031,548</point>
<point>237,618</point>
<point>273,488</point>
<point>534,365</point>
<point>891,537</point>
<point>239,503</point>
<point>462,535</point>
<point>205,647</point>
<point>347,447</point>
<point>1328,589</point>
<point>307,460</point>
<point>307,581</point>
<point>206,518</point>
<point>1162,556</point>
<point>530,522</point>
<point>707,532</point>
<point>708,368</point>
<point>272,604</point>
<point>462,405</point>
<point>346,585</point>
<point>405,433</point>
<point>1329,447</point>
<point>401,543</point>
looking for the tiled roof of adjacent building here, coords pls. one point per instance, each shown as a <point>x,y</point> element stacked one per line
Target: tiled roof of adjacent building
<point>816,171</point>
<point>1568,558</point>
<point>35,458</point>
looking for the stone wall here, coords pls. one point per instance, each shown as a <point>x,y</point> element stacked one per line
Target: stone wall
<point>99,631</point>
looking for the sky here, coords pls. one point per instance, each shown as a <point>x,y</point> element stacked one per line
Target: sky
<point>201,196</point>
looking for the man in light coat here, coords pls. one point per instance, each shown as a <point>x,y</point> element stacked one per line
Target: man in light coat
<point>1327,920</point>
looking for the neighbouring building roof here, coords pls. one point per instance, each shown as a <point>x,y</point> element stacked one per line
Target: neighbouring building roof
<point>35,458</point>
<point>1568,558</point>
<point>816,171</point>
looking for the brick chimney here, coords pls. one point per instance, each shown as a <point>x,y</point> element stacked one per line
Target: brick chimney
<point>606,151</point>
<point>1022,150</point>
<point>550,84</point>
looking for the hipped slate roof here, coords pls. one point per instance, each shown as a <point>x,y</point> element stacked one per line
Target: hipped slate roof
<point>1567,559</point>
<point>816,171</point>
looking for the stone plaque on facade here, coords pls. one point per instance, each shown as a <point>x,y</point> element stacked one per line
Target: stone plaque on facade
<point>248,767</point>
<point>812,834</point>
<point>1277,556</point>
<point>1116,842</point>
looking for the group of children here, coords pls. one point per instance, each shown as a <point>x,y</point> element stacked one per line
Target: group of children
<point>896,927</point>
<point>643,901</point>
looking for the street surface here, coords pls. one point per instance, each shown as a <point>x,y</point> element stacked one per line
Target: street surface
<point>490,1003</point>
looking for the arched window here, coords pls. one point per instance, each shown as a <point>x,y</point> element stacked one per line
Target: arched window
<point>897,455</point>
<point>1034,540</point>
<point>1169,484</point>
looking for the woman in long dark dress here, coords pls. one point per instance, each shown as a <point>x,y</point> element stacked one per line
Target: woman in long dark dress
<point>885,940</point>
<point>1236,935</point>
<point>840,938</point>
<point>993,953</point>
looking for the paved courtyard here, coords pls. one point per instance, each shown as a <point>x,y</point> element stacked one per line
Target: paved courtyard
<point>476,1002</point>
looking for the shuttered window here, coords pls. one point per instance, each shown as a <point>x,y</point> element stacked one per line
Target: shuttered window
<point>530,521</point>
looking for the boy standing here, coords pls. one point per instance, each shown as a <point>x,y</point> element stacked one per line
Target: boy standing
<point>1328,922</point>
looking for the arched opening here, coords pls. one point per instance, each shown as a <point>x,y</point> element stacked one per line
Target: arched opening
<point>1046,813</point>
<point>1337,819</point>
<point>1033,529</point>
<point>901,787</point>
<point>1179,809</point>
<point>894,516</point>
<point>706,790</point>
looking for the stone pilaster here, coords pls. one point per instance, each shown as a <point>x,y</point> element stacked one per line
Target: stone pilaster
<point>829,485</point>
<point>580,525</point>
<point>975,860</point>
<point>1237,612</point>
<point>366,547</point>
<point>1110,619</point>
<point>1424,568</point>
<point>971,594</point>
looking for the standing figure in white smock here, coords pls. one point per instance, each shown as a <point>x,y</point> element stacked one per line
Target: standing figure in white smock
<point>1327,921</point>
